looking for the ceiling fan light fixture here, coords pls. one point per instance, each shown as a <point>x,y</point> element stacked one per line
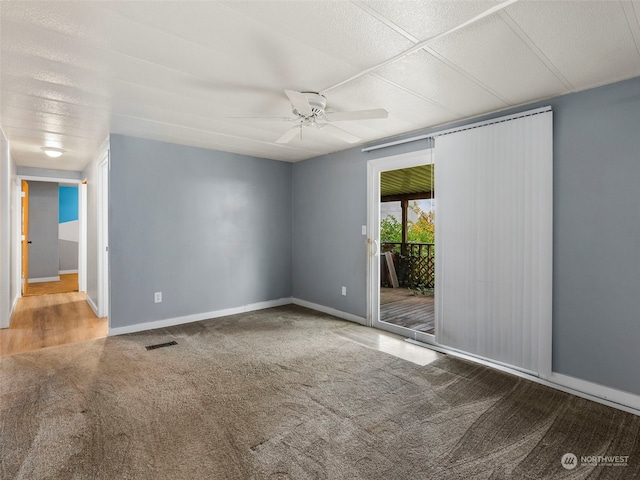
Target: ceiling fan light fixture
<point>53,152</point>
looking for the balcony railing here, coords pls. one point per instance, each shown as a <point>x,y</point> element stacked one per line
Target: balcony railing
<point>414,264</point>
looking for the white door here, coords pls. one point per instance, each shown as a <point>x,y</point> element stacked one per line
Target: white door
<point>103,237</point>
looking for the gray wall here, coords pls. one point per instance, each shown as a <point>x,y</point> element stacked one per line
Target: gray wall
<point>596,318</point>
<point>329,209</point>
<point>210,230</point>
<point>43,229</point>
<point>67,255</point>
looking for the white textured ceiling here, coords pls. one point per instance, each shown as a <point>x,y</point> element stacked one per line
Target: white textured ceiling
<point>73,72</point>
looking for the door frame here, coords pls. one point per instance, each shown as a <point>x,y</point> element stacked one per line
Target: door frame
<point>82,220</point>
<point>374,168</point>
<point>82,244</point>
<point>24,237</point>
<point>103,236</point>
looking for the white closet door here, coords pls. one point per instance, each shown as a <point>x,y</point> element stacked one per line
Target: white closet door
<point>494,240</point>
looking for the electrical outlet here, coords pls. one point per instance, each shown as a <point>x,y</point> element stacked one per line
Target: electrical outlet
<point>344,291</point>
<point>157,297</point>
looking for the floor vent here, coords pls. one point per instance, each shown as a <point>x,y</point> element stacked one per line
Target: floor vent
<point>160,345</point>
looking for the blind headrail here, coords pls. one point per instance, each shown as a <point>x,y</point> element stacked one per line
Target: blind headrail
<point>462,128</point>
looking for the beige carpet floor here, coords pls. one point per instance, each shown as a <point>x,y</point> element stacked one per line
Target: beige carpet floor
<point>280,394</point>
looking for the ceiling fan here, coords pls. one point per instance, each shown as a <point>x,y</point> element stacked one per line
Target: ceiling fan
<point>308,109</point>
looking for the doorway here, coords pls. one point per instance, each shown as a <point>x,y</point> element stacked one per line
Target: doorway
<point>50,237</point>
<point>407,248</point>
<point>401,277</point>
<point>53,309</point>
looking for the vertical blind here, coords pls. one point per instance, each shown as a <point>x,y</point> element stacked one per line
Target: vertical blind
<point>494,239</point>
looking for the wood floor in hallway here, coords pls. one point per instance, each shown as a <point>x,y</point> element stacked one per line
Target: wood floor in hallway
<point>49,320</point>
<point>68,283</point>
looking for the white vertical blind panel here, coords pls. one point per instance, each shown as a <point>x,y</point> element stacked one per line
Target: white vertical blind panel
<point>494,239</point>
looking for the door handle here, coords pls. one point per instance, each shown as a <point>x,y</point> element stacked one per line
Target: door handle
<point>376,252</point>
<point>29,241</point>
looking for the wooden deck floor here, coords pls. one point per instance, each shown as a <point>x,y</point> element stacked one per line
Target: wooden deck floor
<point>399,306</point>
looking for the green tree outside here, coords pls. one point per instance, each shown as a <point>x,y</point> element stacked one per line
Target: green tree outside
<point>420,231</point>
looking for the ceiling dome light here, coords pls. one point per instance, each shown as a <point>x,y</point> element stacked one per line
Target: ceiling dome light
<point>52,151</point>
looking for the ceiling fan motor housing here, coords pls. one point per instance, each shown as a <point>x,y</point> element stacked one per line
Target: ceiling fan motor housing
<point>317,103</point>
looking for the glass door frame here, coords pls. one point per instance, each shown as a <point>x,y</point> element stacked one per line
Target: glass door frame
<point>374,168</point>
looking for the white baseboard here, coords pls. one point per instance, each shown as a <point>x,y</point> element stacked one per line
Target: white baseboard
<point>331,311</point>
<point>11,310</point>
<point>93,306</point>
<point>14,304</point>
<point>66,272</point>
<point>8,318</point>
<point>169,322</point>
<point>625,401</point>
<point>44,279</point>
<point>598,393</point>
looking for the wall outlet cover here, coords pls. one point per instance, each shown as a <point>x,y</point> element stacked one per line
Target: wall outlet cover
<point>157,297</point>
<point>344,291</point>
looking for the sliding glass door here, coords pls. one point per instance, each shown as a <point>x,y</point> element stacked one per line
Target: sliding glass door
<point>402,245</point>
<point>491,290</point>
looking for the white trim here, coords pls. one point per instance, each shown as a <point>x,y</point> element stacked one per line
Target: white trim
<point>7,165</point>
<point>67,272</point>
<point>397,142</point>
<point>169,322</point>
<point>611,397</point>
<point>34,178</point>
<point>102,223</point>
<point>82,244</point>
<point>374,168</point>
<point>14,304</point>
<point>44,279</point>
<point>598,393</point>
<point>16,243</point>
<point>93,306</point>
<point>82,216</point>
<point>331,311</point>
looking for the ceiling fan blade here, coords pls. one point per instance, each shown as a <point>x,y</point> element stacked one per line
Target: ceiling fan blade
<point>289,134</point>
<point>339,133</point>
<point>226,87</point>
<point>357,115</point>
<point>299,102</point>
<point>267,119</point>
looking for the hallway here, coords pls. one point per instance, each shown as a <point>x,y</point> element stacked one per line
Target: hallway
<point>68,283</point>
<point>50,320</point>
